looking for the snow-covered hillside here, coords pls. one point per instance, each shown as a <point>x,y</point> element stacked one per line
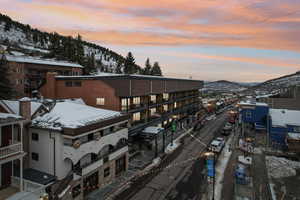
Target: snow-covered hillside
<point>21,43</point>
<point>281,82</point>
<point>223,86</point>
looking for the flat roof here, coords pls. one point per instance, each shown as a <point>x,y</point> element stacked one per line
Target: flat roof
<point>121,76</point>
<point>41,61</point>
<point>249,103</point>
<point>283,117</point>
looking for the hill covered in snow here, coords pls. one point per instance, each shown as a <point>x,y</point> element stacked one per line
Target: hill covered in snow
<point>20,39</point>
<point>280,82</point>
<point>223,86</point>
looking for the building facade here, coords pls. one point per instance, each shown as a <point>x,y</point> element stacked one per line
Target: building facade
<point>83,146</point>
<point>11,150</point>
<point>149,100</point>
<point>26,74</point>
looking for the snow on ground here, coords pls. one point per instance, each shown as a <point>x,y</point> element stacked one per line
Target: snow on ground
<point>170,148</point>
<point>221,167</point>
<point>279,167</point>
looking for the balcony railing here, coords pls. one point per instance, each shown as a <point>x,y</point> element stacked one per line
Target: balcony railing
<point>10,150</point>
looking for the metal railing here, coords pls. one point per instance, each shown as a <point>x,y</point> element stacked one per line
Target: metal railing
<point>10,150</point>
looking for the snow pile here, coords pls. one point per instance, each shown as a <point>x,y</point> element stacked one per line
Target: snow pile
<point>72,115</point>
<point>170,148</point>
<point>281,167</point>
<point>221,167</point>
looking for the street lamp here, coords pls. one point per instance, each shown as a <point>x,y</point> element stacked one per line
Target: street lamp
<point>207,155</point>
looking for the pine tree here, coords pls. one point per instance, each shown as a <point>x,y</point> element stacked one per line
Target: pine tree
<point>129,65</point>
<point>118,69</point>
<point>79,50</point>
<point>6,91</point>
<point>147,70</point>
<point>156,71</point>
<point>7,25</point>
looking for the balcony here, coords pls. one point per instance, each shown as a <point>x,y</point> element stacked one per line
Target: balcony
<point>94,146</point>
<point>11,150</point>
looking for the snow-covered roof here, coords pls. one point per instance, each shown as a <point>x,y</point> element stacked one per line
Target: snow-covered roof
<point>75,100</point>
<point>294,136</point>
<point>8,115</point>
<point>102,75</point>
<point>72,115</point>
<point>37,60</point>
<point>283,117</point>
<point>14,106</point>
<point>252,103</point>
<point>153,129</point>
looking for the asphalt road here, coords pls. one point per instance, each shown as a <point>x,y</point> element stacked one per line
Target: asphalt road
<point>182,180</point>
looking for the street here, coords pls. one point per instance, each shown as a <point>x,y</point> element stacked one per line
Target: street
<point>182,178</point>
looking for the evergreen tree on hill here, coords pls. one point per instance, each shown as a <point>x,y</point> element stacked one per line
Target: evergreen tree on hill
<point>156,71</point>
<point>6,91</point>
<point>129,64</point>
<point>147,70</point>
<point>118,69</point>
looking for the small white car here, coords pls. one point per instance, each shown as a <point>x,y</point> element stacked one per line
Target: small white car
<point>216,146</point>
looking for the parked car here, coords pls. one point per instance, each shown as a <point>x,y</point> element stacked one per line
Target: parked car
<point>216,146</point>
<point>226,131</point>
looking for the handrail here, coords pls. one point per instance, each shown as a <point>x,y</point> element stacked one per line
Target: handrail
<point>10,150</point>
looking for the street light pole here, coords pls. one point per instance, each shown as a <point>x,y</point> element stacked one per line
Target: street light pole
<point>213,198</point>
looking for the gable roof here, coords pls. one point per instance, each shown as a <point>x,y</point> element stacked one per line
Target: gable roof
<point>14,106</point>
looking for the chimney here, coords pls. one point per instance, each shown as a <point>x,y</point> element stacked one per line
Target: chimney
<point>48,90</point>
<point>25,108</point>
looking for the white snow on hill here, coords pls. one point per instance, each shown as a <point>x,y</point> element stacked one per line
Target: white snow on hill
<point>225,86</point>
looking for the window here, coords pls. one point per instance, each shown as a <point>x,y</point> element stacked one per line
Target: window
<point>153,98</point>
<point>165,108</point>
<point>120,165</point>
<point>111,129</point>
<point>35,156</point>
<point>152,111</point>
<point>68,84</point>
<point>35,136</point>
<point>77,84</point>
<point>136,116</point>
<point>100,101</point>
<point>297,129</point>
<point>175,105</point>
<point>106,172</point>
<point>248,114</point>
<point>136,100</point>
<point>90,137</point>
<point>165,96</point>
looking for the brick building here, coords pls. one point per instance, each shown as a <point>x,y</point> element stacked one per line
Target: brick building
<point>28,73</point>
<point>149,100</point>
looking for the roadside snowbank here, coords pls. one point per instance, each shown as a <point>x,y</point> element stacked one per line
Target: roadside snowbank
<point>279,167</point>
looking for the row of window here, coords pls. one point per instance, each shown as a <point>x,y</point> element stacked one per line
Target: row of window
<point>73,83</point>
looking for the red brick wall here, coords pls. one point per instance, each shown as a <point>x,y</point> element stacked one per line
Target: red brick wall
<point>89,91</point>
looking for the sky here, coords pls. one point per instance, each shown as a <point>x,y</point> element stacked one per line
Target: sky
<point>236,40</point>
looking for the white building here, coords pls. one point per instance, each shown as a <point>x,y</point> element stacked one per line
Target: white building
<point>83,146</point>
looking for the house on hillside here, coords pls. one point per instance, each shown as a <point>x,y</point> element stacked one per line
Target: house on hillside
<point>26,73</point>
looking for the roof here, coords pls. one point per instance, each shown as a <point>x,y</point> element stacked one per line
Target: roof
<point>283,117</point>
<point>36,176</point>
<point>41,61</point>
<point>250,103</point>
<point>7,117</point>
<point>294,136</point>
<point>153,129</point>
<point>72,115</point>
<point>14,106</point>
<point>129,76</point>
<point>215,143</point>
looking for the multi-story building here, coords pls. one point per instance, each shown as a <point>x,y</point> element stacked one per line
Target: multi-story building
<point>149,100</point>
<point>11,150</point>
<point>84,147</point>
<point>26,74</point>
